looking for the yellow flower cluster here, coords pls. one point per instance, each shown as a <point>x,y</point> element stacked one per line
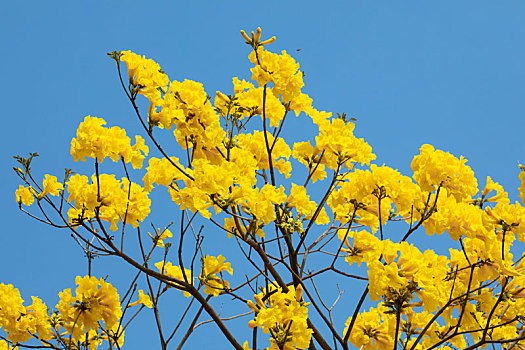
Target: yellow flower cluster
<point>162,172</point>
<point>79,315</point>
<point>367,189</point>
<point>5,346</point>
<point>371,330</point>
<point>116,201</point>
<point>284,316</point>
<point>457,218</point>
<point>26,195</point>
<point>19,321</point>
<point>300,200</point>
<point>281,70</point>
<point>508,217</point>
<point>223,183</point>
<point>211,266</point>
<point>398,274</point>
<point>261,203</point>
<point>255,144</point>
<point>183,104</point>
<point>306,154</point>
<point>408,274</point>
<point>95,141</point>
<point>212,185</point>
<point>187,106</point>
<point>146,74</point>
<point>434,168</point>
<point>341,147</point>
<point>95,300</point>
<point>250,102</point>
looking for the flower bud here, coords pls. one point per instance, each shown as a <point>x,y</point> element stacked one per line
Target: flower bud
<point>269,41</point>
<point>252,306</point>
<point>221,96</point>
<point>259,302</point>
<point>245,36</point>
<point>299,293</point>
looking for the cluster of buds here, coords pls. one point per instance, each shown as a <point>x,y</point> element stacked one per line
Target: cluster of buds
<point>255,40</point>
<point>292,225</point>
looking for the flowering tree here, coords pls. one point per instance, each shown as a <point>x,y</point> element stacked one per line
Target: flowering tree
<point>234,170</point>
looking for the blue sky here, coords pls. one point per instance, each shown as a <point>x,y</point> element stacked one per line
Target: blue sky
<point>446,73</point>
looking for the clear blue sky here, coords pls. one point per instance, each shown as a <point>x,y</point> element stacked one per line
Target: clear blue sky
<point>447,73</point>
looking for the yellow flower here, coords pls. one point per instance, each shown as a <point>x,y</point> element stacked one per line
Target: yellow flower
<point>160,236</point>
<point>144,299</point>
<point>337,139</point>
<point>25,195</point>
<point>116,334</point>
<point>19,322</point>
<point>500,197</point>
<point>366,247</point>
<point>433,168</point>
<point>176,272</point>
<point>371,330</point>
<point>145,74</point>
<point>281,70</point>
<point>111,197</point>
<point>95,300</point>
<point>300,200</point>
<point>51,186</point>
<point>309,156</point>
<point>211,266</point>
<point>5,346</point>
<point>284,316</point>
<point>96,141</point>
<point>366,189</point>
<point>162,172</point>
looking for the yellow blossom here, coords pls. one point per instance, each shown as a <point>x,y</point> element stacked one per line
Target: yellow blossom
<point>166,268</point>
<point>281,70</point>
<point>146,74</point>
<point>25,195</point>
<point>434,168</point>
<point>20,322</point>
<point>117,201</point>
<point>51,186</point>
<point>144,299</point>
<point>95,300</point>
<point>161,236</point>
<point>211,266</point>
<point>95,141</point>
<point>284,316</point>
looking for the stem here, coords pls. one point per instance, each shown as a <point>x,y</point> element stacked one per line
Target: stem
<point>398,319</point>
<point>190,328</point>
